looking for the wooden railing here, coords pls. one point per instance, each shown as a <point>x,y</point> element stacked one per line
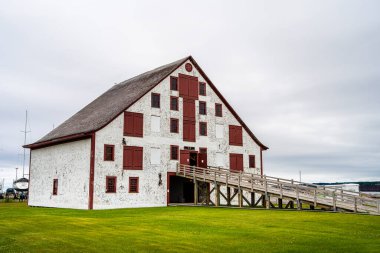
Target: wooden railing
<point>282,188</point>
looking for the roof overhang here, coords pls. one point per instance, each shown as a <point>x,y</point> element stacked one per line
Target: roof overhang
<point>70,138</point>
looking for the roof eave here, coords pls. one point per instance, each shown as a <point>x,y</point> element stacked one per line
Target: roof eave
<point>69,138</point>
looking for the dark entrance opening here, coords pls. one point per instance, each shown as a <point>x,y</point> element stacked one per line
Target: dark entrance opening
<point>193,159</point>
<point>181,190</point>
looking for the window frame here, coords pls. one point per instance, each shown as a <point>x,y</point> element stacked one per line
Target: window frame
<point>55,186</point>
<point>216,110</point>
<point>153,95</point>
<point>171,83</point>
<point>114,184</point>
<point>202,124</point>
<point>177,106</point>
<point>171,152</point>
<point>105,153</point>
<point>205,108</point>
<point>254,161</point>
<point>137,184</point>
<point>177,125</point>
<point>202,92</point>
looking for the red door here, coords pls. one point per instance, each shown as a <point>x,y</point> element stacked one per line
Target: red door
<point>202,160</point>
<point>188,130</point>
<point>189,109</point>
<point>188,86</point>
<point>184,157</point>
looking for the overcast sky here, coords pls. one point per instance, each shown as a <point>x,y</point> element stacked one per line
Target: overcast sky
<point>303,75</point>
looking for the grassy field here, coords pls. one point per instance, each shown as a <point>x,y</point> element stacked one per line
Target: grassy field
<point>190,229</point>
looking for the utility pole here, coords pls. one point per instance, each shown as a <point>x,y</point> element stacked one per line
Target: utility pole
<point>25,132</point>
<point>300,177</point>
<point>16,174</point>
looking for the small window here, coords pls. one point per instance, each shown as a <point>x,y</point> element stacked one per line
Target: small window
<point>218,110</point>
<point>173,83</point>
<point>202,89</point>
<point>174,103</point>
<point>155,100</point>
<point>202,128</point>
<point>133,185</point>
<point>110,184</point>
<point>202,108</point>
<point>174,125</point>
<point>109,152</point>
<point>174,152</point>
<point>252,161</point>
<point>55,186</point>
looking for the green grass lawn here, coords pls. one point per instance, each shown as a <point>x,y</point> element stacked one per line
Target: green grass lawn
<point>191,229</point>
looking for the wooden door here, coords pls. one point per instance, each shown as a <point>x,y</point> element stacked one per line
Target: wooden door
<point>188,130</point>
<point>184,157</point>
<point>189,109</point>
<point>188,86</point>
<point>202,160</point>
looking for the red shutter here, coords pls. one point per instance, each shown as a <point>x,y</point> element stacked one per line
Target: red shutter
<point>138,124</point>
<point>238,135</point>
<point>231,134</point>
<point>232,162</point>
<point>239,162</point>
<point>185,157</point>
<point>128,123</point>
<point>137,158</point>
<point>193,88</point>
<point>128,158</point>
<point>236,162</point>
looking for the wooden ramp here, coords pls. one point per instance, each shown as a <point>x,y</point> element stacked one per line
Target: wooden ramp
<point>294,192</point>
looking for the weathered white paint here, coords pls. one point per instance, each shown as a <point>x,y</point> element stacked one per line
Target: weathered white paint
<point>150,192</point>
<point>70,164</point>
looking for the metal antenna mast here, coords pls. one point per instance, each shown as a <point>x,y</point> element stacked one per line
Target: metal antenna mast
<point>25,132</point>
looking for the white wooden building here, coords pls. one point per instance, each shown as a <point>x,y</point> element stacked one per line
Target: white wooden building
<point>122,149</point>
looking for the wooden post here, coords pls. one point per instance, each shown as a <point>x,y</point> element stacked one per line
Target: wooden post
<point>378,206</point>
<point>263,200</point>
<point>280,203</point>
<point>298,197</point>
<point>217,195</point>
<point>204,175</point>
<point>267,204</point>
<point>311,207</point>
<point>315,198</point>
<point>334,201</point>
<point>291,204</point>
<point>355,205</point>
<point>208,195</point>
<point>252,199</point>
<point>281,191</point>
<point>195,192</point>
<point>240,197</point>
<point>228,196</point>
